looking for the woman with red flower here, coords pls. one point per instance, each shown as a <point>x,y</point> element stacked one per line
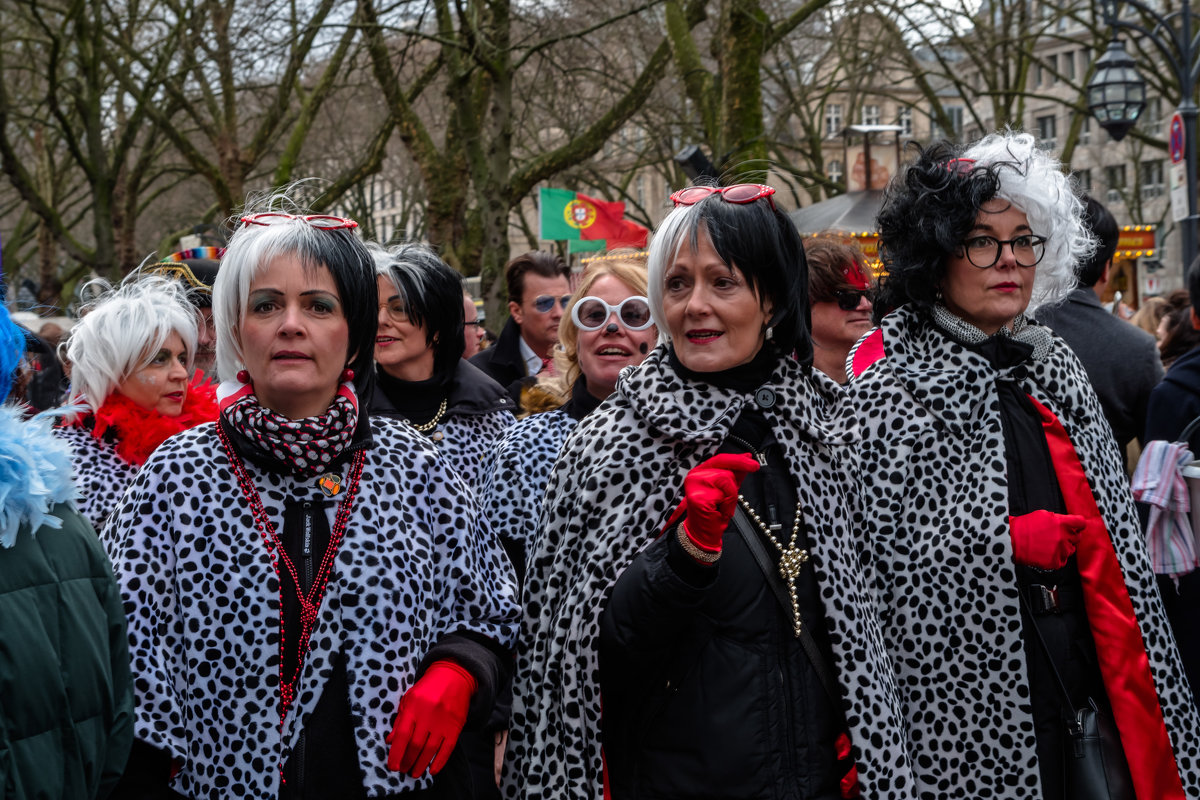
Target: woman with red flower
<point>131,387</point>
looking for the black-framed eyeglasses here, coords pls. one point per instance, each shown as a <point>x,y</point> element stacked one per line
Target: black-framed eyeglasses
<point>545,302</point>
<point>984,251</point>
<point>592,313</point>
<point>848,299</point>
<point>472,322</point>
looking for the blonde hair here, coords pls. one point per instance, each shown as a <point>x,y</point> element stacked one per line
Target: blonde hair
<point>629,267</point>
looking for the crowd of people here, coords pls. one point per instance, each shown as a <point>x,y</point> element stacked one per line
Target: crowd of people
<point>729,518</point>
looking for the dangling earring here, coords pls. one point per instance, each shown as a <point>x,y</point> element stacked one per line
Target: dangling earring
<point>770,333</point>
<point>243,376</point>
<point>347,375</point>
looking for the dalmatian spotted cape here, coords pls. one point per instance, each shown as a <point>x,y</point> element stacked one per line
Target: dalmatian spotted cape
<point>512,493</point>
<point>938,548</point>
<point>202,599</point>
<point>101,475</point>
<point>618,478</point>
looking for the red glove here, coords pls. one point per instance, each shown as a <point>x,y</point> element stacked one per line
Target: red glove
<point>430,718</point>
<point>1045,540</point>
<point>710,493</point>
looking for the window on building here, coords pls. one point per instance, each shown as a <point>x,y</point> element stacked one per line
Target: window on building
<point>1047,131</point>
<point>833,119</point>
<point>1041,75</point>
<point>835,171</point>
<point>1152,179</point>
<point>870,115</point>
<point>955,113</point>
<point>1114,178</point>
<point>905,122</point>
<point>1084,178</point>
<point>1052,67</point>
<point>1085,130</point>
<point>1152,117</point>
<point>641,190</point>
<point>1067,61</point>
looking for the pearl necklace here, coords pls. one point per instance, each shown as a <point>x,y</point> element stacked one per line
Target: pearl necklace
<point>791,559</point>
<point>428,426</point>
<point>310,604</point>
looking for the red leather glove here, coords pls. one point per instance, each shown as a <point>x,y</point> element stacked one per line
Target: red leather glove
<point>430,718</point>
<point>1045,540</point>
<point>710,493</point>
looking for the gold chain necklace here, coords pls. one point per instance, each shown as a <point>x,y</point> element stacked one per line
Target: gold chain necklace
<point>428,426</point>
<point>791,559</point>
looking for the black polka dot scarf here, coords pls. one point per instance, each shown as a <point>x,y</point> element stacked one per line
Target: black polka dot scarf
<point>308,445</point>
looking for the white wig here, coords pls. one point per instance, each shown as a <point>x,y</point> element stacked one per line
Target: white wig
<point>1034,182</point>
<point>122,331</point>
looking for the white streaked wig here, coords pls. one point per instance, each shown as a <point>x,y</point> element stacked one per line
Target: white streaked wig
<point>1033,181</point>
<point>122,331</point>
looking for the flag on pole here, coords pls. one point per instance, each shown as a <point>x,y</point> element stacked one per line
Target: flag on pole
<point>575,216</point>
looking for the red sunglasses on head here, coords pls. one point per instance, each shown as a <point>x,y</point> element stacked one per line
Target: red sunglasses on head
<point>739,194</point>
<point>322,222</point>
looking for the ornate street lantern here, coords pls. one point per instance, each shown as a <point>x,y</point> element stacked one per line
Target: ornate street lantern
<point>1116,93</point>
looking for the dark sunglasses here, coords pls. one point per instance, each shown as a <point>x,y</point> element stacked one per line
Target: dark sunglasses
<point>738,194</point>
<point>848,300</point>
<point>545,302</point>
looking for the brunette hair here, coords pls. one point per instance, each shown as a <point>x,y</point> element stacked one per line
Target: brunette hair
<point>539,262</point>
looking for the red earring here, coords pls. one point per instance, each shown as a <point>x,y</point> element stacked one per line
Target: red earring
<point>347,375</point>
<point>243,376</point>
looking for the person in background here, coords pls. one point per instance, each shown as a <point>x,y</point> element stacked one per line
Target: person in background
<point>1179,335</point>
<point>131,387</point>
<point>538,290</point>
<point>1150,314</point>
<point>420,375</point>
<point>316,608</point>
<point>840,292</point>
<point>65,686</point>
<point>1119,357</point>
<point>197,269</point>
<point>1015,590</point>
<point>473,330</point>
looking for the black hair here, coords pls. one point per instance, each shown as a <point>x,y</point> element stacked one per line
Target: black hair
<point>433,293</point>
<point>1103,226</point>
<point>927,210</point>
<point>762,242</point>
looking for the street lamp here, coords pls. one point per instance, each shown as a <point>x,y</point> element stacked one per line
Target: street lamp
<point>1117,94</point>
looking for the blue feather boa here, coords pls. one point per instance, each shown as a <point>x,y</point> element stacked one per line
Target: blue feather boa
<point>35,473</point>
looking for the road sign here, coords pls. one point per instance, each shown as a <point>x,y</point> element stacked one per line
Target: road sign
<point>1176,138</point>
<point>1177,179</point>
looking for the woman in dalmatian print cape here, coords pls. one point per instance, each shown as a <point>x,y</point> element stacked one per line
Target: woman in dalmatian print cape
<point>587,363</point>
<point>421,375</point>
<point>997,522</point>
<point>316,608</point>
<point>130,390</point>
<point>707,688</point>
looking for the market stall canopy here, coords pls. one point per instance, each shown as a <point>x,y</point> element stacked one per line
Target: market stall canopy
<point>850,213</point>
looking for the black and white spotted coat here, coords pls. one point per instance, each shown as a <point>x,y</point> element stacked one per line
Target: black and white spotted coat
<point>101,475</point>
<point>513,489</point>
<point>617,480</point>
<point>417,563</point>
<point>936,537</point>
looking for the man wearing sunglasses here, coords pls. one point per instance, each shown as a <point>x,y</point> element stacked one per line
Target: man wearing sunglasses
<point>538,291</point>
<point>840,292</point>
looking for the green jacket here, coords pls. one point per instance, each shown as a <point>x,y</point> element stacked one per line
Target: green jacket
<point>66,697</point>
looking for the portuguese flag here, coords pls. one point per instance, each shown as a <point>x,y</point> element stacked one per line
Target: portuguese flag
<point>574,216</point>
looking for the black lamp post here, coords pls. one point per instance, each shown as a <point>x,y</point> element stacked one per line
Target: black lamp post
<point>1117,93</point>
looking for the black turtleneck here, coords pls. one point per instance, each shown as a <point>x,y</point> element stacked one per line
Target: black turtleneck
<point>582,401</point>
<point>416,401</point>
<point>742,378</point>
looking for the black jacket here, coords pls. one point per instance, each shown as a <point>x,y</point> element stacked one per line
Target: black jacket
<point>504,363</point>
<point>706,692</point>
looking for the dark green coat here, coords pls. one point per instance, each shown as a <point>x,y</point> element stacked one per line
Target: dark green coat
<point>66,702</point>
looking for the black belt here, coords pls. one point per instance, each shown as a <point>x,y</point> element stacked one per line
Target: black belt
<point>1045,599</point>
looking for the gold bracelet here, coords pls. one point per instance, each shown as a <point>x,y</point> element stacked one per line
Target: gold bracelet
<point>689,547</point>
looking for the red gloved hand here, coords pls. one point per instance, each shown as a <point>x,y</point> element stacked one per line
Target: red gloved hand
<point>430,718</point>
<point>1045,540</point>
<point>710,493</point>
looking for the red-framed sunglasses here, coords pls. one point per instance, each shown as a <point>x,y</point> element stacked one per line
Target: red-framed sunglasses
<point>739,194</point>
<point>322,222</point>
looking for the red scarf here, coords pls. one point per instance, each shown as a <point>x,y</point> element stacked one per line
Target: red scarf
<point>139,431</point>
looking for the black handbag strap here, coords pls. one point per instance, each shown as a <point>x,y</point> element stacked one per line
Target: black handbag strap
<point>770,571</point>
<point>1037,631</point>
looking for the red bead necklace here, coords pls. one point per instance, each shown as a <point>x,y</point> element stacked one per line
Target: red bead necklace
<point>310,604</point>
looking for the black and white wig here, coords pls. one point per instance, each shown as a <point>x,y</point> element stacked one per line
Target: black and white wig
<point>253,247</point>
<point>122,330</point>
<point>432,292</point>
<point>932,205</point>
<point>762,243</point>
